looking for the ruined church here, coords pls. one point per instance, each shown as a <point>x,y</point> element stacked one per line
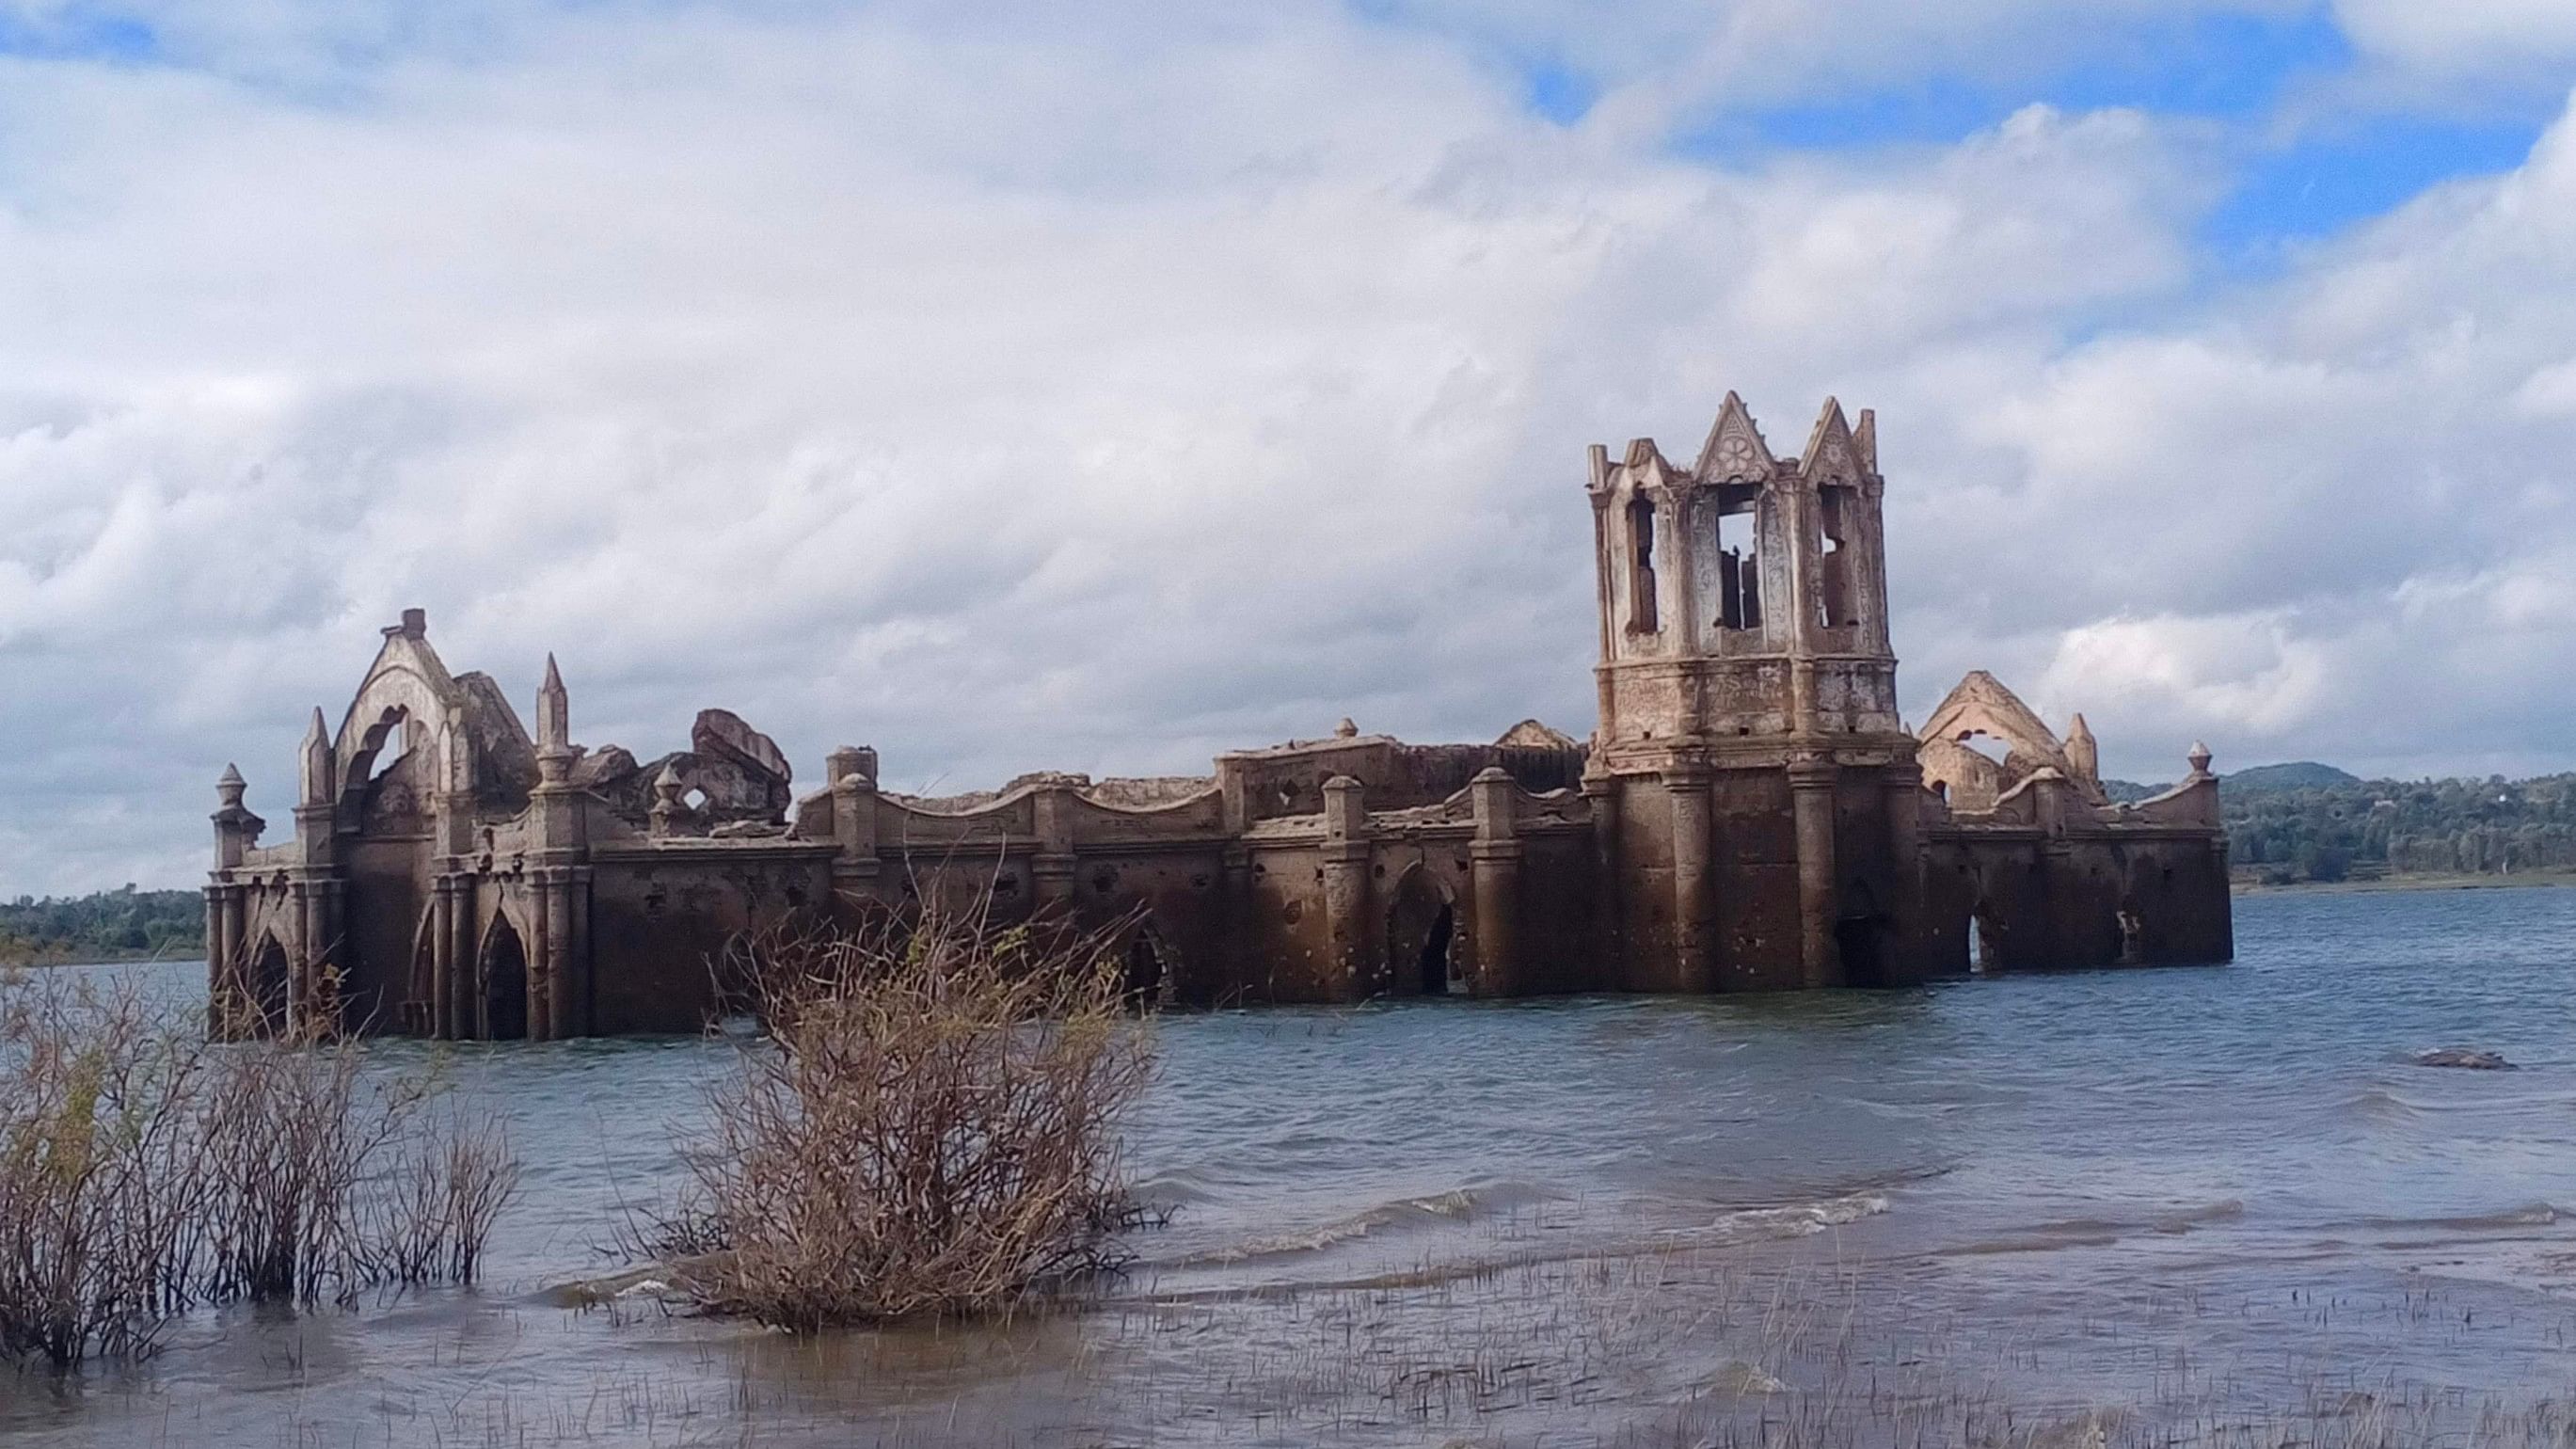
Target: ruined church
<point>1748,814</point>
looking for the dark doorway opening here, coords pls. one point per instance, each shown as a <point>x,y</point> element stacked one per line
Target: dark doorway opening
<point>1421,936</point>
<point>1434,965</point>
<point>1860,937</point>
<point>269,975</point>
<point>1145,969</point>
<point>505,984</point>
<point>2129,938</point>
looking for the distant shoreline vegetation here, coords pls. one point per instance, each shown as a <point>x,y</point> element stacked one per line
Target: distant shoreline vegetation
<point>2309,823</point>
<point>119,925</point>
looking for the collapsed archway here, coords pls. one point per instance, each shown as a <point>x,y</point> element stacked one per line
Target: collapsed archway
<point>505,983</point>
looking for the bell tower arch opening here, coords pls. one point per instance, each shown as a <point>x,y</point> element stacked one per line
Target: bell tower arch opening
<point>1643,617</point>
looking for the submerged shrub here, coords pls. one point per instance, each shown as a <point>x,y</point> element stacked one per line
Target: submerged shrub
<point>144,1171</point>
<point>927,1128</point>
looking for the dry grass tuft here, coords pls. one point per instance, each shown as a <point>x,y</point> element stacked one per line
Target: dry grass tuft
<point>927,1128</point>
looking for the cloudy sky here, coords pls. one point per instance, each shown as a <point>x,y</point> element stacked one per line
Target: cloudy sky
<point>1100,386</point>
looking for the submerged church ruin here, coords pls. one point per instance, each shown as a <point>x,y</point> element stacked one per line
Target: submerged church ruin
<point>1748,815</point>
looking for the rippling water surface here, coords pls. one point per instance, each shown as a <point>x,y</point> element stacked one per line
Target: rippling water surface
<point>2219,1193</point>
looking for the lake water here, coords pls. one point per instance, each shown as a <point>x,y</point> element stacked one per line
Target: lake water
<point>2213,1200</point>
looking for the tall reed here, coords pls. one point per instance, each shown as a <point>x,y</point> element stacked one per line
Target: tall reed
<point>144,1172</point>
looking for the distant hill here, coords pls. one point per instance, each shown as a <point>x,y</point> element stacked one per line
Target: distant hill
<point>2130,792</point>
<point>2298,775</point>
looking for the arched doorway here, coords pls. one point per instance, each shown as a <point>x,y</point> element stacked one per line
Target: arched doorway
<point>1421,937</point>
<point>270,984</point>
<point>505,983</point>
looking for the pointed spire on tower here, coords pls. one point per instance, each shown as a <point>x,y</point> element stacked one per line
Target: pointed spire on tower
<point>314,776</point>
<point>1735,450</point>
<point>554,710</point>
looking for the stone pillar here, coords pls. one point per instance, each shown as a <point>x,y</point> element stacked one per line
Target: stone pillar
<point>1678,518</point>
<point>221,1001</point>
<point>1694,878</point>
<point>306,973</point>
<point>1903,944</point>
<point>1811,801</point>
<point>540,953</point>
<point>1346,886</point>
<point>236,923</point>
<point>1601,792</point>
<point>582,972</point>
<point>559,993</point>
<point>1495,858</point>
<point>1054,863</point>
<point>465,979</point>
<point>852,772</point>
<point>442,958</point>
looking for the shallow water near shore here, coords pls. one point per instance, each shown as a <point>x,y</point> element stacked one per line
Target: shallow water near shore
<point>2182,1200</point>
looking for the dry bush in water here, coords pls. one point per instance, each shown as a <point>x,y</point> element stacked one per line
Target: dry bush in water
<point>928,1127</point>
<point>144,1172</point>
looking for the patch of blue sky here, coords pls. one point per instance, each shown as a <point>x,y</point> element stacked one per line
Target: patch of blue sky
<point>2224,67</point>
<point>2349,170</point>
<point>78,33</point>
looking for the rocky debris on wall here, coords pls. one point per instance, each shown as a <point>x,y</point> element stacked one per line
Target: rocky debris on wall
<point>603,766</point>
<point>1529,734</point>
<point>721,735</point>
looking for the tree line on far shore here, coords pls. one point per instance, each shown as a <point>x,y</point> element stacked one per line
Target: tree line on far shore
<point>119,925</point>
<point>2311,822</point>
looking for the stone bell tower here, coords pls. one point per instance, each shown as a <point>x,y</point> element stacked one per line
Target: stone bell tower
<point>1749,754</point>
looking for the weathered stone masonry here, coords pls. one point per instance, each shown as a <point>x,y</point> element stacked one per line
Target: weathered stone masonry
<point>1749,814</point>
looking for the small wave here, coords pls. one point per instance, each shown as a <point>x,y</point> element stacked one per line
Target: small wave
<point>1793,1220</point>
<point>2378,1104</point>
<point>2528,1215</point>
<point>1457,1205</point>
<point>2094,1232</point>
<point>2222,1211</point>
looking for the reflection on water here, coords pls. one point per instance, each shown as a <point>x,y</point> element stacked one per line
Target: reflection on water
<point>2222,1192</point>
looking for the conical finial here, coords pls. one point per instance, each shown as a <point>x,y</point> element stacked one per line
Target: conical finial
<point>554,713</point>
<point>230,788</point>
<point>2199,758</point>
<point>314,768</point>
<point>1346,730</point>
